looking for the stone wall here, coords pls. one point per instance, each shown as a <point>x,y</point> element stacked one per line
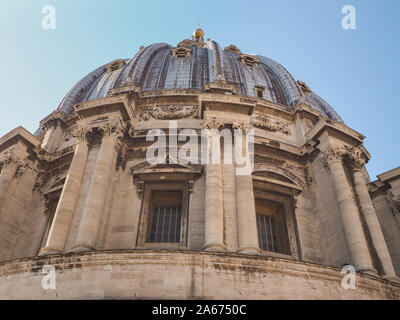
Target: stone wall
<point>145,274</point>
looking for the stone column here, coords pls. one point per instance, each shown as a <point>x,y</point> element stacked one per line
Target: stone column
<point>100,185</point>
<point>373,225</point>
<point>351,222</point>
<point>9,168</point>
<point>245,201</point>
<point>214,214</point>
<point>65,210</point>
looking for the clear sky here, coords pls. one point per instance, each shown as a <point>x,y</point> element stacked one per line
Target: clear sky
<point>356,71</point>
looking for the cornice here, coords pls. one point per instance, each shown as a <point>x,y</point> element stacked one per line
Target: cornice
<point>338,128</point>
<point>16,135</point>
<point>119,103</point>
<point>390,175</point>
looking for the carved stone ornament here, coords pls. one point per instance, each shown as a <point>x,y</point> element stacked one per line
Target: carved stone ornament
<point>108,125</point>
<point>266,123</point>
<point>168,112</point>
<point>213,125</point>
<point>112,128</point>
<point>80,133</point>
<point>352,155</point>
<point>332,154</point>
<point>241,126</point>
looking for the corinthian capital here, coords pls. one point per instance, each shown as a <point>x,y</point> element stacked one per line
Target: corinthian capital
<point>355,157</point>
<point>332,154</point>
<point>242,126</point>
<point>213,124</point>
<point>81,132</point>
<point>113,127</point>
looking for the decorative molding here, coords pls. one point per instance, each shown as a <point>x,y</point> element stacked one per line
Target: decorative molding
<point>168,112</point>
<point>266,123</point>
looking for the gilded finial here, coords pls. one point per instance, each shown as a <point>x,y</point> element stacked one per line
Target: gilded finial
<point>198,34</point>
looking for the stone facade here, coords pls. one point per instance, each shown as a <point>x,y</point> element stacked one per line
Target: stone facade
<point>76,195</point>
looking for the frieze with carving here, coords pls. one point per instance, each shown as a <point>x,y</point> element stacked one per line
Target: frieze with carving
<point>266,123</point>
<point>168,112</point>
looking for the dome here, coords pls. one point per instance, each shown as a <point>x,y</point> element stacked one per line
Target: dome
<point>192,65</point>
<point>194,172</point>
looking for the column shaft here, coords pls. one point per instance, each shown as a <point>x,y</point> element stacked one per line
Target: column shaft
<point>351,222</point>
<point>64,214</point>
<point>245,204</point>
<point>374,227</point>
<point>97,195</point>
<point>214,215</point>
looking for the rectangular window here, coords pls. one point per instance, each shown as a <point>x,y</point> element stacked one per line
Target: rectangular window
<point>267,236</point>
<point>166,216</point>
<point>271,226</point>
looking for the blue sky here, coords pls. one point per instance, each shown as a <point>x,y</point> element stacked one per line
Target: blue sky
<point>356,71</point>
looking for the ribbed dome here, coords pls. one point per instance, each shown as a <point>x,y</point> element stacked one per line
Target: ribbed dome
<point>191,66</point>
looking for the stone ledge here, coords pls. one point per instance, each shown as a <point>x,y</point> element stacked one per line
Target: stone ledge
<point>164,274</point>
